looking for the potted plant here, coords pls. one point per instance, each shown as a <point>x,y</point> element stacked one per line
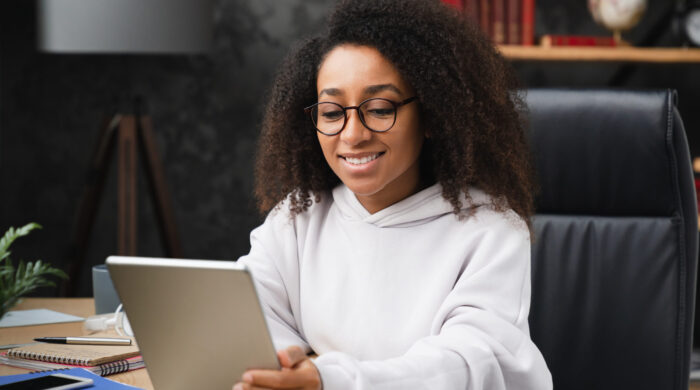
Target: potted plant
<point>16,282</point>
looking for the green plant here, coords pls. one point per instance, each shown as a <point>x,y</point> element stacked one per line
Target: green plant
<point>27,277</point>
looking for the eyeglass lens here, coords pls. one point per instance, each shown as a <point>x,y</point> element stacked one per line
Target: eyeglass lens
<point>375,114</point>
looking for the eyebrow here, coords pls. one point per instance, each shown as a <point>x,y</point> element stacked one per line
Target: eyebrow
<point>372,89</point>
<point>330,92</point>
<point>369,90</point>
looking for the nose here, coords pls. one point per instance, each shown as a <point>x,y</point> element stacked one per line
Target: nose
<point>354,132</point>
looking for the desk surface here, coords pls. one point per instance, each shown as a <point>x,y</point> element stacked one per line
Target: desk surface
<point>83,307</point>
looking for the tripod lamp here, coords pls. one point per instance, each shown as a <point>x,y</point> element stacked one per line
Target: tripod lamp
<point>115,27</point>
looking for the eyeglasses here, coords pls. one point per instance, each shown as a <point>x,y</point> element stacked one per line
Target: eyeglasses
<point>376,114</point>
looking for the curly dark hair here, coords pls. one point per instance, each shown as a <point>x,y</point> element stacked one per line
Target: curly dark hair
<point>468,101</point>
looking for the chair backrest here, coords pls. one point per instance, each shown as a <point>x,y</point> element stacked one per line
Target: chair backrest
<point>616,239</point>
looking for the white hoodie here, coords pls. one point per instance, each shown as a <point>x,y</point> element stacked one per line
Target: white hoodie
<point>410,297</point>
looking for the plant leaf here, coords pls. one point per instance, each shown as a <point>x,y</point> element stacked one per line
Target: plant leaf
<point>12,234</point>
<point>27,276</point>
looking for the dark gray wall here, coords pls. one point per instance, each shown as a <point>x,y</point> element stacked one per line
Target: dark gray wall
<point>206,113</point>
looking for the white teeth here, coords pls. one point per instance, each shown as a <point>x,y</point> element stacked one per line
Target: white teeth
<point>363,160</point>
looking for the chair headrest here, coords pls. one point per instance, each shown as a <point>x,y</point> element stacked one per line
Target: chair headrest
<point>604,151</point>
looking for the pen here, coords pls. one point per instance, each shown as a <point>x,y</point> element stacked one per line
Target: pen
<point>85,340</point>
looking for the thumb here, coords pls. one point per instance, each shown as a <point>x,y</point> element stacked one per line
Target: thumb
<point>291,356</point>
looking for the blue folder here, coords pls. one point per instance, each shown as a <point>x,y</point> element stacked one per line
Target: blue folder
<point>99,382</point>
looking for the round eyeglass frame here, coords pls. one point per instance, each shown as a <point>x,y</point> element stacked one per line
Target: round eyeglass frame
<point>309,110</point>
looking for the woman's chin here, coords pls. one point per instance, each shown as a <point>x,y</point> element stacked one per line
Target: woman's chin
<point>364,189</point>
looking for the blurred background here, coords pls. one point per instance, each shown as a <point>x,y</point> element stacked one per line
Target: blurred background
<point>206,112</point>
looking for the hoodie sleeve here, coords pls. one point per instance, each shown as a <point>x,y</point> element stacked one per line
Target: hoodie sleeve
<point>480,337</point>
<point>275,270</point>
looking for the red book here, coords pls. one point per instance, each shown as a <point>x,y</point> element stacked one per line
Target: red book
<point>471,10</point>
<point>457,4</point>
<point>514,17</point>
<point>697,188</point>
<point>499,21</point>
<point>485,16</point>
<point>528,23</point>
<point>576,40</point>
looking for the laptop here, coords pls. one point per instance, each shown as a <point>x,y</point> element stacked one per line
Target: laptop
<point>198,323</point>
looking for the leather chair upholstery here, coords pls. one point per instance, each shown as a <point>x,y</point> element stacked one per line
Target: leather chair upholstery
<point>616,239</point>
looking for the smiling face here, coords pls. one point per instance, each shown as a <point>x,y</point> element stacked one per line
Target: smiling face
<point>379,168</point>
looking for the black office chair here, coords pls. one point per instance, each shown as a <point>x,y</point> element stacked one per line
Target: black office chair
<point>616,239</point>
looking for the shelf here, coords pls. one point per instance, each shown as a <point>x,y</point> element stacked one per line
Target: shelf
<point>601,54</point>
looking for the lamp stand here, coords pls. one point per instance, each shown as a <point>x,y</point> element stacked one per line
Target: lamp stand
<point>129,134</point>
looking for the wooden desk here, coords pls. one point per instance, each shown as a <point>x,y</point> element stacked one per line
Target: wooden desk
<point>83,307</point>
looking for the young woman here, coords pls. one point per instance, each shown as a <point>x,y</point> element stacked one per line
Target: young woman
<point>398,245</point>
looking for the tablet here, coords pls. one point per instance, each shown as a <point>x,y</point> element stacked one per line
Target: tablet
<point>198,323</point>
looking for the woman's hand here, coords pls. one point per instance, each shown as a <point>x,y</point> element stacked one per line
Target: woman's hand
<point>298,372</point>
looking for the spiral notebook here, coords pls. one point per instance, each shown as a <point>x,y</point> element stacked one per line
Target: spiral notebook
<point>104,369</point>
<point>74,354</point>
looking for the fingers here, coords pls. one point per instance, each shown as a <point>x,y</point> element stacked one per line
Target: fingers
<point>272,379</point>
<point>245,386</point>
<point>291,356</point>
<point>298,372</point>
<point>303,376</point>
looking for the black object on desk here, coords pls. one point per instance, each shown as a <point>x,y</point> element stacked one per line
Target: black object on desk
<point>85,340</point>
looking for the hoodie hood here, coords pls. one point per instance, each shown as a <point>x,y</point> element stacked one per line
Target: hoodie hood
<point>421,207</point>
